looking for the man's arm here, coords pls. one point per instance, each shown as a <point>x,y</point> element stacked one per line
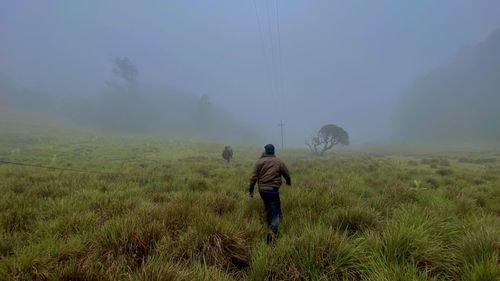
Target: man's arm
<point>285,174</point>
<point>254,178</point>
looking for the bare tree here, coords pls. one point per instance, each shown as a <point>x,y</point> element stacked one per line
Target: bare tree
<point>327,137</point>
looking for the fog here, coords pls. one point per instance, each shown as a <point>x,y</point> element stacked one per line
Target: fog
<point>232,70</point>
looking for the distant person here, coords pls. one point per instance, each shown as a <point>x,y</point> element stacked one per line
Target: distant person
<point>267,173</point>
<point>227,154</point>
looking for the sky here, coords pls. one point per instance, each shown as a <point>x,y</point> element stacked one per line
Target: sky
<point>341,62</point>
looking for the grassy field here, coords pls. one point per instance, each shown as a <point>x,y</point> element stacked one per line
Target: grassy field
<point>170,210</point>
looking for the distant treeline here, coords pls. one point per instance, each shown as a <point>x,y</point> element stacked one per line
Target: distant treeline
<point>126,106</point>
<point>171,113</point>
<point>459,102</point>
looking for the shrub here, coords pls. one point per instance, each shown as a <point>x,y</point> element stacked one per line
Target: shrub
<point>409,238</point>
<point>160,268</point>
<point>381,271</point>
<point>128,238</point>
<point>318,254</point>
<point>444,172</point>
<point>486,270</point>
<point>480,240</point>
<point>222,244</point>
<point>19,218</point>
<point>220,204</point>
<point>7,243</point>
<point>354,219</point>
<point>412,163</point>
<point>432,182</point>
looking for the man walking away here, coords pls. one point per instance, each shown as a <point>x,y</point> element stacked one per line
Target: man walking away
<point>267,173</point>
<point>227,154</point>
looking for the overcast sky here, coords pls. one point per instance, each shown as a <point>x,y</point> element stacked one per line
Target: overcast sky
<point>343,62</point>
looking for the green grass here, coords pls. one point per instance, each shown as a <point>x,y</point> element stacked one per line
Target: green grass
<point>174,210</point>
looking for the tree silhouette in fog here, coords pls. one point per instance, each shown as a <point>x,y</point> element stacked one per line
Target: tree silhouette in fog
<point>327,137</point>
<point>126,71</point>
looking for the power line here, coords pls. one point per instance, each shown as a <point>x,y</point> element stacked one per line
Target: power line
<point>280,64</point>
<point>280,72</point>
<point>264,53</point>
<point>273,56</point>
<point>275,70</point>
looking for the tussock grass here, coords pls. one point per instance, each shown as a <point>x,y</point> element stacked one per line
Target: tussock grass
<point>319,253</point>
<point>354,219</point>
<point>18,219</point>
<point>128,239</point>
<point>176,211</point>
<point>218,243</point>
<point>160,268</point>
<point>487,270</point>
<point>480,239</point>
<point>411,237</point>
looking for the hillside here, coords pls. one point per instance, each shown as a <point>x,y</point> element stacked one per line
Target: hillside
<point>459,102</point>
<point>166,112</point>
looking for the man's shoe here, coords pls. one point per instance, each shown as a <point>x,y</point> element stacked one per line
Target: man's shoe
<point>271,238</point>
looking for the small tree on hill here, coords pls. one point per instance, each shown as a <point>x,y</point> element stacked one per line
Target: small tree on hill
<point>125,70</point>
<point>327,137</point>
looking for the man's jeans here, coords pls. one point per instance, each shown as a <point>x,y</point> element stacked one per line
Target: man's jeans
<point>272,207</point>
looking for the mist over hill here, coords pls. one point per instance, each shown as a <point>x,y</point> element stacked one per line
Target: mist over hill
<point>458,102</point>
<point>118,108</point>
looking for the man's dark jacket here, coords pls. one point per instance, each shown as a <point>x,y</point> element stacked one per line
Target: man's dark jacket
<point>268,172</point>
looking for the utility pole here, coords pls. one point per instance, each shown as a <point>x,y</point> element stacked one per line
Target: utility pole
<point>281,125</point>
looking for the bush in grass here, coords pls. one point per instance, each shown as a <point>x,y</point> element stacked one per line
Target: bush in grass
<point>160,198</point>
<point>38,261</point>
<point>332,255</point>
<point>109,206</point>
<point>223,244</point>
<point>18,218</point>
<point>129,238</point>
<point>410,239</point>
<point>225,250</point>
<point>432,182</point>
<point>197,184</point>
<point>444,162</point>
<point>394,195</point>
<point>73,263</point>
<point>463,205</point>
<point>301,206</point>
<point>201,272</point>
<point>6,244</point>
<point>319,253</point>
<point>354,219</point>
<point>175,217</point>
<point>134,237</point>
<point>480,240</point>
<point>273,263</point>
<point>486,270</point>
<point>87,270</point>
<point>219,204</point>
<point>381,271</point>
<point>76,223</point>
<point>444,172</point>
<point>430,161</point>
<point>252,209</point>
<point>412,163</point>
<point>160,268</point>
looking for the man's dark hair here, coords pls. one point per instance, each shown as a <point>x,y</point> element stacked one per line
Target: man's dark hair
<point>269,148</point>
